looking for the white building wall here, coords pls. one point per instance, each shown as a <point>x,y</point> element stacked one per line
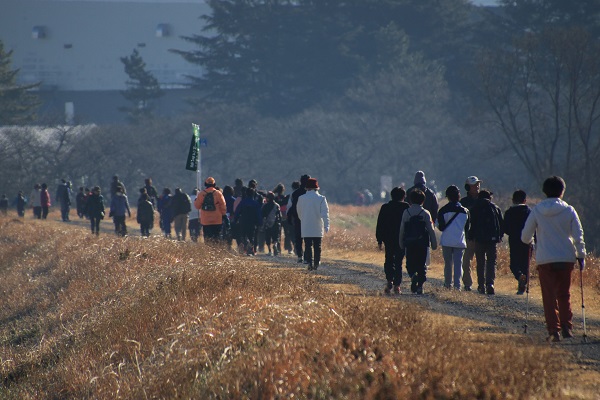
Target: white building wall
<point>84,40</point>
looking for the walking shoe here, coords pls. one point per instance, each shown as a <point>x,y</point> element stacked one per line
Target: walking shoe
<point>388,288</point>
<point>310,267</point>
<point>567,333</point>
<point>490,289</point>
<point>467,288</point>
<point>269,254</point>
<point>397,290</point>
<point>522,284</point>
<point>316,265</point>
<point>481,289</point>
<point>553,337</point>
<point>413,284</point>
<point>300,260</point>
<point>420,288</point>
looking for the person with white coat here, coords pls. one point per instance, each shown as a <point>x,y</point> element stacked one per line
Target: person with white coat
<point>313,212</point>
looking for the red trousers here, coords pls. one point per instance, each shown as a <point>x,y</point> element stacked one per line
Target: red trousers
<point>555,281</point>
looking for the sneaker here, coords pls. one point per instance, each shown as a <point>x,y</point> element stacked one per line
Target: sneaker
<point>567,333</point>
<point>553,337</point>
<point>481,289</point>
<point>310,267</point>
<point>269,254</point>
<point>467,288</point>
<point>413,284</point>
<point>300,260</point>
<point>316,265</point>
<point>388,288</point>
<point>490,289</point>
<point>420,289</point>
<point>397,290</point>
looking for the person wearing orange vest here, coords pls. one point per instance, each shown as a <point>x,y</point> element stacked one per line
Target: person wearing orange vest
<point>211,204</point>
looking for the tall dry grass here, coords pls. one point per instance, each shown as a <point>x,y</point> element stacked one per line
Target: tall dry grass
<point>87,317</point>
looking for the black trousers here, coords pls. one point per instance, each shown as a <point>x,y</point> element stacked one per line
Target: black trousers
<point>416,257</point>
<point>310,243</point>
<point>212,233</point>
<point>298,236</point>
<point>393,263</point>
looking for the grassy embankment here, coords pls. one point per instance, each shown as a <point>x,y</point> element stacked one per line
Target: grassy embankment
<point>88,317</point>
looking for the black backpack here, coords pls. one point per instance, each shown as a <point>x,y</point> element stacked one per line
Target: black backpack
<point>489,230</point>
<point>209,202</point>
<point>415,231</point>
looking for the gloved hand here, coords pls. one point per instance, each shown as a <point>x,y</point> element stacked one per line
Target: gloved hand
<point>581,263</point>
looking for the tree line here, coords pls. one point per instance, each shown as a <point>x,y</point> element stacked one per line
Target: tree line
<point>349,91</point>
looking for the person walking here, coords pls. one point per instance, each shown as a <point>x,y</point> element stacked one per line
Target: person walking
<point>211,204</point>
<point>431,202</point>
<point>21,203</point>
<point>454,223</point>
<point>145,215</point>
<point>119,205</point>
<point>116,183</point>
<point>247,218</point>
<point>151,191</point>
<point>271,222</point>
<point>182,206</point>
<point>559,246</point>
<point>94,209</point>
<point>36,201</point>
<point>487,231</point>
<point>165,209</point>
<point>520,253</point>
<point>194,221</point>
<point>288,229</point>
<point>63,197</point>
<point>292,217</point>
<point>80,202</point>
<point>45,201</point>
<point>313,212</point>
<point>387,234</point>
<point>472,186</point>
<point>416,236</point>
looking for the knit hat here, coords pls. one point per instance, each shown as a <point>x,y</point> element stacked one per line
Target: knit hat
<point>420,178</point>
<point>312,183</point>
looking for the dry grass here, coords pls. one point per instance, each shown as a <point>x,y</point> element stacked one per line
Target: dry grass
<point>87,317</point>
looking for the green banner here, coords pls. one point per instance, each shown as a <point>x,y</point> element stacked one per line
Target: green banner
<point>192,159</point>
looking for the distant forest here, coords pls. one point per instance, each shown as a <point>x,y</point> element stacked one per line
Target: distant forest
<point>347,92</point>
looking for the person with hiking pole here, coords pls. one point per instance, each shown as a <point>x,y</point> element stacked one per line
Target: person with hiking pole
<point>559,247</point>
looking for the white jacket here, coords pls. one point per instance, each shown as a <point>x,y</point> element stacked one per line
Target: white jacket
<point>558,231</point>
<point>313,212</point>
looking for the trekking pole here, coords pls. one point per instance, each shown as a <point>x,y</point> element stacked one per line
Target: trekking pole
<point>582,305</point>
<point>527,303</point>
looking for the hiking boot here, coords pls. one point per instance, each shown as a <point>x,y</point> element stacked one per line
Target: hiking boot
<point>553,337</point>
<point>490,289</point>
<point>481,289</point>
<point>420,288</point>
<point>567,333</point>
<point>388,288</point>
<point>414,284</point>
<point>522,284</point>
<point>397,289</point>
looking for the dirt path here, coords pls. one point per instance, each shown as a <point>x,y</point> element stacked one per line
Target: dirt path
<point>479,316</point>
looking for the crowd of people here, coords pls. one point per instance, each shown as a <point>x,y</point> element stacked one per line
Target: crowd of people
<point>471,227</point>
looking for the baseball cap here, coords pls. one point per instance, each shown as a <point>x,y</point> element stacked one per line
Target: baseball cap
<point>471,180</point>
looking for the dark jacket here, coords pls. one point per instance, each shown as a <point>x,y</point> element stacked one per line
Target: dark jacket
<point>94,206</point>
<point>431,202</point>
<point>468,202</point>
<point>145,212</point>
<point>486,222</point>
<point>514,221</point>
<point>292,214</point>
<point>248,213</point>
<point>388,222</point>
<point>181,203</point>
